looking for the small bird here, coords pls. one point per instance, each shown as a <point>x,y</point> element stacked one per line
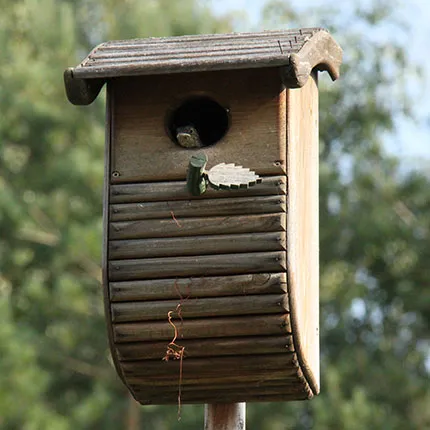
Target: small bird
<point>188,137</point>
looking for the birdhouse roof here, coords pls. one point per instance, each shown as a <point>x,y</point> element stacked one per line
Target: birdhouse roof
<point>296,52</point>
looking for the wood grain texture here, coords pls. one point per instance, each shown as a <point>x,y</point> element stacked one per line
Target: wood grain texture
<point>105,222</point>
<point>202,53</point>
<point>286,391</point>
<point>144,151</point>
<point>223,397</point>
<point>238,377</point>
<point>197,226</point>
<point>288,377</point>
<point>198,208</point>
<point>210,366</point>
<point>201,265</point>
<point>302,226</point>
<point>177,190</point>
<point>204,328</point>
<point>197,245</point>
<point>291,385</point>
<point>199,308</point>
<point>164,289</point>
<point>248,345</point>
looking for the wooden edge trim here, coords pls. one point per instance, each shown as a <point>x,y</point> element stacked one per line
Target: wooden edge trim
<point>79,91</point>
<point>320,52</point>
<point>294,322</point>
<point>105,248</point>
<point>303,365</point>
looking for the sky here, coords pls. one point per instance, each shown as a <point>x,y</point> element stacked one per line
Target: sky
<point>412,140</point>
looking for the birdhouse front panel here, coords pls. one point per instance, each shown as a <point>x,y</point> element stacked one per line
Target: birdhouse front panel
<point>239,115</point>
<point>211,296</point>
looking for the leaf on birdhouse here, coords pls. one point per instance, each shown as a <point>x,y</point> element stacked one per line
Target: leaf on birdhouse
<point>229,176</point>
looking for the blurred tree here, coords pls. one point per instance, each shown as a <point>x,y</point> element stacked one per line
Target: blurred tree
<point>54,361</point>
<point>375,230</point>
<point>375,220</point>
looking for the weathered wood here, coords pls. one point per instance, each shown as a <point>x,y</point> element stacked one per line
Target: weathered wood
<point>198,208</point>
<point>105,222</point>
<point>302,231</point>
<point>203,328</point>
<point>295,52</point>
<point>141,107</point>
<point>177,190</point>
<point>210,366</point>
<point>81,91</point>
<point>164,289</point>
<point>290,375</point>
<point>248,345</point>
<point>200,396</point>
<point>201,265</point>
<point>240,379</point>
<point>196,182</point>
<point>200,245</point>
<point>231,398</point>
<point>197,226</point>
<point>310,47</point>
<point>292,385</point>
<point>225,416</point>
<point>199,308</point>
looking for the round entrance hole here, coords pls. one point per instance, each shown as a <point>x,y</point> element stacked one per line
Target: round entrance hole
<point>200,114</point>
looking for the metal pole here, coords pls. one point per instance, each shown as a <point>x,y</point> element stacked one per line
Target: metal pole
<point>225,416</point>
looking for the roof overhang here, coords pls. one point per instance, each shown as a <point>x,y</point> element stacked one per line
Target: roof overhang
<point>296,52</point>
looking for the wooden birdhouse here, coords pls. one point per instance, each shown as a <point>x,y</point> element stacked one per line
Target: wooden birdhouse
<point>210,270</point>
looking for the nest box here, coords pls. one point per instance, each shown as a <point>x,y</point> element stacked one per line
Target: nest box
<point>210,271</point>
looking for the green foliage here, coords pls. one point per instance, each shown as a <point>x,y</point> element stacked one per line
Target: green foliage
<point>55,369</point>
<point>55,364</point>
<point>374,236</point>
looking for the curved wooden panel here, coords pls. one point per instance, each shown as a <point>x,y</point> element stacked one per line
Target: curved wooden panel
<point>198,208</point>
<point>196,226</point>
<point>203,328</point>
<point>210,286</point>
<point>197,245</point>
<point>199,308</point>
<point>247,345</point>
<point>200,265</point>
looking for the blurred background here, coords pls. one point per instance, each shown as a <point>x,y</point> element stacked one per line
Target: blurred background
<point>55,367</point>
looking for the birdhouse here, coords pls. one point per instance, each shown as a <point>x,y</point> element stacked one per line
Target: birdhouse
<point>210,251</point>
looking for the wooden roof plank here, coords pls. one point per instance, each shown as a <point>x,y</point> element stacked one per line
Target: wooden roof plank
<point>295,52</point>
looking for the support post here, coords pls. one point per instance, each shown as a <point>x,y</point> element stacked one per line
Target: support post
<point>225,416</point>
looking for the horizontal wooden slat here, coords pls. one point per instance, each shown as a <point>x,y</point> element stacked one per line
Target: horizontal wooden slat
<point>196,245</point>
<point>210,366</point>
<point>290,386</point>
<point>203,328</point>
<point>202,265</point>
<point>200,398</point>
<point>197,226</point>
<point>199,308</point>
<point>249,345</point>
<point>177,190</point>
<point>223,397</point>
<point>198,208</point>
<point>161,379</point>
<point>287,388</point>
<point>163,289</point>
<point>272,378</point>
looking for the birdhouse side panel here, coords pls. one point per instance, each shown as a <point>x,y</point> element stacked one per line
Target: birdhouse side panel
<point>144,142</point>
<point>303,225</point>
